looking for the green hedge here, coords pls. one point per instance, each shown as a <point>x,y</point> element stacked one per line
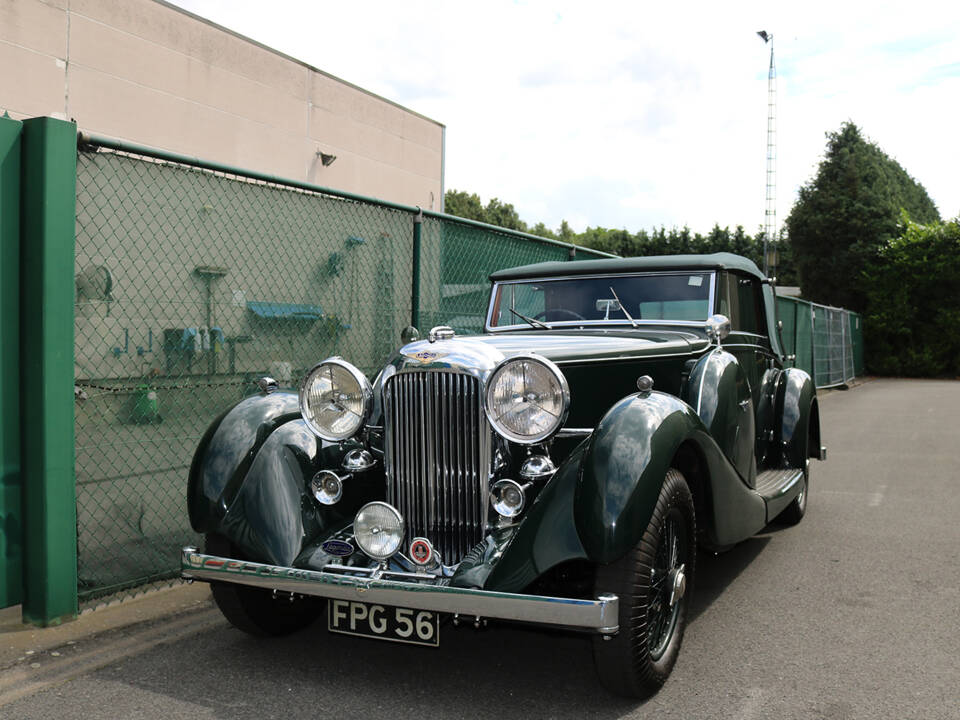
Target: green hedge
<point>912,321</point>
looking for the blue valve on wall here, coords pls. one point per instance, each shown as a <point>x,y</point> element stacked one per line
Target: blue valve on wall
<point>141,351</point>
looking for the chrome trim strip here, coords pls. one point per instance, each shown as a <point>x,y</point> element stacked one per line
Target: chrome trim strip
<point>570,432</point>
<point>600,615</point>
<point>570,324</point>
<point>629,358</point>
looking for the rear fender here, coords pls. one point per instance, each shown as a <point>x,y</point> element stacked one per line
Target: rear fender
<point>799,411</point>
<point>719,392</point>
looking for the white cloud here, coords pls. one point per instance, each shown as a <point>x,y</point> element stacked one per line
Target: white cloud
<point>624,114</point>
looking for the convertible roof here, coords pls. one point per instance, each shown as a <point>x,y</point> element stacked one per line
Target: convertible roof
<point>716,261</point>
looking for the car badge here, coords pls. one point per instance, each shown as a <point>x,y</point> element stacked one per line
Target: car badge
<point>421,551</point>
<point>337,548</point>
<point>425,356</point>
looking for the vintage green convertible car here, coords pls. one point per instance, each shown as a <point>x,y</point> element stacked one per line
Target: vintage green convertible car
<point>560,469</point>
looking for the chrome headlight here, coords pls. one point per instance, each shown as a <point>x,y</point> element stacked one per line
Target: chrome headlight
<point>527,399</point>
<point>335,399</point>
<point>378,530</point>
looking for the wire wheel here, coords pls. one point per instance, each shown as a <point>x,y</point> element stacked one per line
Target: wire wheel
<point>653,581</point>
<point>668,584</point>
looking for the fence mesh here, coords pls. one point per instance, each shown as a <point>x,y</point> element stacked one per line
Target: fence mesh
<point>827,342</point>
<point>191,284</point>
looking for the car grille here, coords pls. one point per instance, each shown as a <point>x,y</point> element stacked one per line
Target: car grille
<point>438,458</point>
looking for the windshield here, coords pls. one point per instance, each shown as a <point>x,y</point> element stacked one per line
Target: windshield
<point>670,297</point>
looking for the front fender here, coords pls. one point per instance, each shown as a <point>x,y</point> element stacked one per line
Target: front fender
<point>226,451</point>
<point>249,480</point>
<point>623,468</point>
<point>514,557</point>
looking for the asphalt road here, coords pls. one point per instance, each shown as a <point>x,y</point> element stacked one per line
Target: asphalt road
<point>855,613</point>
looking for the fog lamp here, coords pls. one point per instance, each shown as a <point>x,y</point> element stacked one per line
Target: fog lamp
<point>327,487</point>
<point>507,498</point>
<point>378,530</point>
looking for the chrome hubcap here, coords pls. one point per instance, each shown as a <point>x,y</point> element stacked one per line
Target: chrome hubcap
<point>678,584</point>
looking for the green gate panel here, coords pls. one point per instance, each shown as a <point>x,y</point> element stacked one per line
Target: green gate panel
<point>856,335</point>
<point>11,537</point>
<point>48,176</point>
<point>787,314</point>
<point>804,335</point>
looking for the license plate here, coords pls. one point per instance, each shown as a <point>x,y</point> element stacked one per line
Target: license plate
<point>383,622</point>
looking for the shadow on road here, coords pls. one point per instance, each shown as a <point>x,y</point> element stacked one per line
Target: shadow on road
<point>716,572</point>
<point>506,669</point>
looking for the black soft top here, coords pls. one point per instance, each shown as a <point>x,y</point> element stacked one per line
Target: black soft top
<point>716,261</point>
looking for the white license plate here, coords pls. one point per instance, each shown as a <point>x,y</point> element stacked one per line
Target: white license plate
<point>384,622</point>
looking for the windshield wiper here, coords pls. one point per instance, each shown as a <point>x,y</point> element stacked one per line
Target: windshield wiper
<point>622,307</point>
<point>531,321</point>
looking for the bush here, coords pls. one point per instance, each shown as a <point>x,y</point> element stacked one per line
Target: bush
<point>912,319</point>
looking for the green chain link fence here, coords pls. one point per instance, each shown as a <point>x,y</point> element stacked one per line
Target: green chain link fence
<point>193,280</point>
<point>827,342</point>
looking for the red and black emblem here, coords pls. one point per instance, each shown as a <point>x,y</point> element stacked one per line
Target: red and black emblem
<point>421,551</point>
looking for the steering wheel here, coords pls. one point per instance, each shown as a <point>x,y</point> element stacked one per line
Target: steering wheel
<point>558,311</point>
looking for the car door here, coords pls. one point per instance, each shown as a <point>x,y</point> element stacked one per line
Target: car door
<point>749,342</point>
<point>741,300</point>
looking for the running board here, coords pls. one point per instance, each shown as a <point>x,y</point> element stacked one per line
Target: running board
<point>778,488</point>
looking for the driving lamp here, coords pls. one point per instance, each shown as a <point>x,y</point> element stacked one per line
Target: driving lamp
<point>335,400</point>
<point>527,399</point>
<point>378,530</point>
<point>327,487</point>
<point>507,498</point>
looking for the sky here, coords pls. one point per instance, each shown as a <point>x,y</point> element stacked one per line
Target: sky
<point>636,115</point>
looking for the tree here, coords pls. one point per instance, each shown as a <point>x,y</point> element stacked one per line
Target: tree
<point>848,211</point>
<point>462,204</point>
<point>659,241</point>
<point>469,206</point>
<point>913,302</point>
<point>503,215</point>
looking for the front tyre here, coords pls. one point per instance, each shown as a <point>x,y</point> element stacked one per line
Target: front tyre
<point>256,610</point>
<point>653,582</point>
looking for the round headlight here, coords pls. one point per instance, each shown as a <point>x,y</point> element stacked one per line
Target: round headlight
<point>335,399</point>
<point>378,530</point>
<point>527,399</point>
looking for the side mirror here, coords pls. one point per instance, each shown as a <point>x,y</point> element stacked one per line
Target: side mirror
<point>718,327</point>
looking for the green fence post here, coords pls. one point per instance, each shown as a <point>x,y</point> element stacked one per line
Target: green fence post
<point>11,538</point>
<point>48,212</point>
<point>415,280</point>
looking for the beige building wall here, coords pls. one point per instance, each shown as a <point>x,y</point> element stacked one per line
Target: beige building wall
<point>150,73</point>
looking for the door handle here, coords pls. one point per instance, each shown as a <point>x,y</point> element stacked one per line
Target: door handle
<point>744,404</point>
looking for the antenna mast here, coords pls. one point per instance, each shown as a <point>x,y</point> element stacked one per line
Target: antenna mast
<point>770,215</point>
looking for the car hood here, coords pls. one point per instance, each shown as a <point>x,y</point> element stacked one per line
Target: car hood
<point>479,354</point>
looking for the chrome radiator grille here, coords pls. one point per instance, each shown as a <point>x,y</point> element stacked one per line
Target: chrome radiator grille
<point>438,458</point>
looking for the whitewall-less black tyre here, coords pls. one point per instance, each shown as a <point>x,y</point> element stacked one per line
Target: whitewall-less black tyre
<point>654,582</point>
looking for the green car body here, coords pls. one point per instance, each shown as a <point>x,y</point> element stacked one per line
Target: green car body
<point>724,410</point>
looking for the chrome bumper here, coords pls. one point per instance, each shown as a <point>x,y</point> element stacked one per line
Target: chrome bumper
<point>599,616</point>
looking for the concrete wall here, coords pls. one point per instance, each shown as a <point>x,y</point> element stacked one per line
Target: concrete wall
<point>147,72</point>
